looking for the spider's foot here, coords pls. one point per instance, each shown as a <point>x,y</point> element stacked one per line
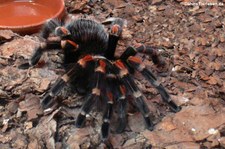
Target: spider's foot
<point>80,120</point>
<point>121,125</point>
<point>81,90</point>
<point>173,106</point>
<point>162,70</point>
<point>47,102</point>
<point>24,66</point>
<point>149,124</point>
<point>105,131</point>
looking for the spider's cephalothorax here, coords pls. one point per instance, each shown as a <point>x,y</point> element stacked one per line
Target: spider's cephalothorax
<point>90,64</point>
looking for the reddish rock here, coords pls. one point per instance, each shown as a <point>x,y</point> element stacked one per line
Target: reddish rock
<point>185,145</point>
<point>6,35</point>
<point>222,141</point>
<point>156,2</point>
<point>116,140</point>
<point>19,47</point>
<point>31,105</point>
<point>136,122</point>
<point>79,136</point>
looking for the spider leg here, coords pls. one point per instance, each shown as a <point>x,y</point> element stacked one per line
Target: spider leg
<point>122,104</point>
<point>39,51</point>
<point>49,27</point>
<point>56,27</point>
<point>97,85</point>
<point>132,87</point>
<point>108,96</point>
<point>136,63</point>
<point>153,52</point>
<point>63,80</point>
<point>113,91</point>
<point>114,36</point>
<point>47,46</point>
<point>119,93</point>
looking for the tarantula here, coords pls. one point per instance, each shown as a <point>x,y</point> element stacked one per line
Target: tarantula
<point>93,69</point>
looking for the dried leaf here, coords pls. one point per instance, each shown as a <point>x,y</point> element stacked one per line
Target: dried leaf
<point>212,81</point>
<point>6,35</point>
<point>78,136</point>
<point>115,3</point>
<point>136,122</point>
<point>31,105</point>
<point>218,51</point>
<point>203,76</point>
<point>23,47</point>
<point>44,132</point>
<point>156,2</point>
<point>205,18</point>
<point>217,66</point>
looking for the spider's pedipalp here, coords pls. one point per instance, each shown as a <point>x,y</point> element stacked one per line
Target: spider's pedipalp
<point>136,64</point>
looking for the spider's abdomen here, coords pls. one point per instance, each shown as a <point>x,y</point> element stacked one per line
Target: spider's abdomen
<point>89,35</point>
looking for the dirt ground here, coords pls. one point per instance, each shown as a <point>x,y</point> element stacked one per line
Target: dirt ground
<point>193,35</point>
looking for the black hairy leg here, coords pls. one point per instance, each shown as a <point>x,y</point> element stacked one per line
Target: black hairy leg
<point>60,83</point>
<point>137,64</point>
<point>95,92</point>
<point>152,51</point>
<point>138,97</point>
<point>56,44</point>
<point>114,36</point>
<point>94,71</point>
<point>134,62</point>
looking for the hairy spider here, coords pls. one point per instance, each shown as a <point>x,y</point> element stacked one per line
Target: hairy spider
<point>93,69</point>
